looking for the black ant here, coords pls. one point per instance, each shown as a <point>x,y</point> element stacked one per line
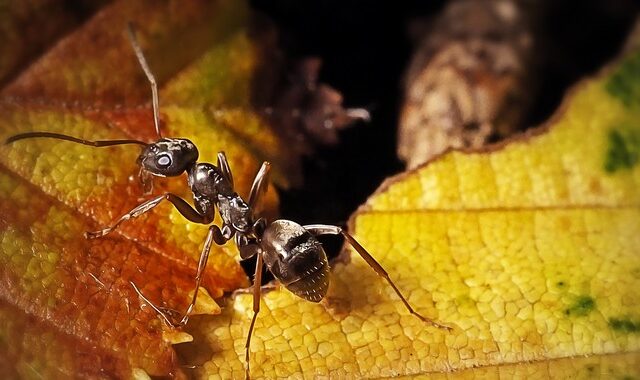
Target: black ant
<point>291,252</point>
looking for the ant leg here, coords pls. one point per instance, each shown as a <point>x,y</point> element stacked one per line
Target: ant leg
<point>146,179</point>
<point>259,226</point>
<point>248,247</point>
<point>259,185</point>
<point>224,167</point>
<point>321,229</point>
<point>164,316</point>
<point>227,231</point>
<point>213,235</point>
<point>257,280</point>
<point>180,204</point>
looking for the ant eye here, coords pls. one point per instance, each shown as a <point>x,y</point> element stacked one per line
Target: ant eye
<point>164,161</point>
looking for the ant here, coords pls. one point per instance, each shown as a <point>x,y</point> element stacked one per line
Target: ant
<point>291,252</point>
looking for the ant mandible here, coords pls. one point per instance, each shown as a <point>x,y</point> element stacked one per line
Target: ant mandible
<point>291,252</point>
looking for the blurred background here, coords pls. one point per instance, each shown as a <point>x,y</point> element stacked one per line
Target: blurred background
<point>367,48</point>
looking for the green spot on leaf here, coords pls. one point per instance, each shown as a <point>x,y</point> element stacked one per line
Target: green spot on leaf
<point>624,83</point>
<point>624,325</point>
<point>581,307</point>
<point>623,151</point>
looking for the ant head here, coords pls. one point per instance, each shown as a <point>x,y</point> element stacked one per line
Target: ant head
<point>168,157</point>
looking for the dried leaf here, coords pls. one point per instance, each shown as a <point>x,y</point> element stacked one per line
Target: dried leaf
<point>75,292</point>
<point>308,113</point>
<point>27,27</point>
<point>470,80</point>
<point>530,250</point>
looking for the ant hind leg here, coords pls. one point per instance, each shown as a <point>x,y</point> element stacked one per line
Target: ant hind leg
<point>321,229</point>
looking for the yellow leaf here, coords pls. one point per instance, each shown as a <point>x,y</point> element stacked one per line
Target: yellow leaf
<point>529,250</point>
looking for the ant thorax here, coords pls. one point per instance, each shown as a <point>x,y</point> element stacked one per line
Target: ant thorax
<point>209,184</point>
<point>206,180</point>
<point>235,212</point>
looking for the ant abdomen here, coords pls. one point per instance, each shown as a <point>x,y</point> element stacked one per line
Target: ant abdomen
<point>296,258</point>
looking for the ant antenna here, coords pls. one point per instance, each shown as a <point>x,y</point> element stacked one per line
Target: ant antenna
<point>152,80</point>
<point>59,136</point>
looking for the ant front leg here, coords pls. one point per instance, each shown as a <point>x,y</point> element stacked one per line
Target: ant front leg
<point>214,235</point>
<point>322,229</point>
<point>146,180</point>
<point>180,204</point>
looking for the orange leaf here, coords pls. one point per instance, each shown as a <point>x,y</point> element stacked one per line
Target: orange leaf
<point>77,292</point>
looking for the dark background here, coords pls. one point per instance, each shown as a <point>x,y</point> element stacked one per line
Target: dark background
<point>366,47</point>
